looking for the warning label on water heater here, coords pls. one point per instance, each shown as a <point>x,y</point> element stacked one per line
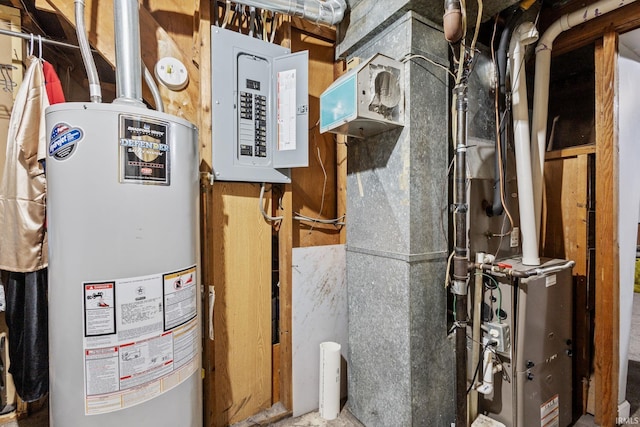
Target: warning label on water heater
<point>140,338</point>
<point>144,150</point>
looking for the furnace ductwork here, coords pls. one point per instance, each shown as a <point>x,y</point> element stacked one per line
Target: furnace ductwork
<point>328,12</point>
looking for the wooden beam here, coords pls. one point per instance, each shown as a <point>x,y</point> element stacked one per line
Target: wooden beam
<point>207,230</point>
<point>43,5</point>
<point>203,42</point>
<point>621,20</point>
<point>607,310</point>
<point>570,152</point>
<point>285,259</point>
<point>207,227</point>
<point>322,32</point>
<point>155,41</point>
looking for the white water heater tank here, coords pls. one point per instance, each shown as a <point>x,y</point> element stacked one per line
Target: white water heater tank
<point>124,292</point>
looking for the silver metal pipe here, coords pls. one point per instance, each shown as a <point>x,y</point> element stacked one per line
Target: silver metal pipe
<point>95,91</point>
<point>328,12</point>
<point>37,37</point>
<point>153,87</point>
<point>126,17</point>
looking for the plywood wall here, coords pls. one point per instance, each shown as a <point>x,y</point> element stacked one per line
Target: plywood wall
<point>314,187</point>
<point>241,266</point>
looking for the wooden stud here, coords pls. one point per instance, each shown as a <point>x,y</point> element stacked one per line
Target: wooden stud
<point>620,20</point>
<point>203,40</point>
<point>285,253</point>
<point>607,251</point>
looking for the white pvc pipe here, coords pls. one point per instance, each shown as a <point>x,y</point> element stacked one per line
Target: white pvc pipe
<point>541,86</point>
<point>523,35</point>
<point>330,360</point>
<point>487,373</point>
<point>328,12</point>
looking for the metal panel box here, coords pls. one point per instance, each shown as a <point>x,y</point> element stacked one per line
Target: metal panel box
<point>260,108</point>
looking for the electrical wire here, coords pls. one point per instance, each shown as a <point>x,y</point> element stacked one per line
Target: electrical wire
<point>261,206</point>
<point>252,20</point>
<point>499,124</point>
<point>225,17</point>
<point>336,221</point>
<point>472,49</point>
<point>273,27</point>
<point>496,286</point>
<point>410,56</point>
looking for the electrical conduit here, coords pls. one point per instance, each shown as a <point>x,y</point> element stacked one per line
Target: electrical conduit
<point>541,86</point>
<point>328,12</point>
<point>95,91</point>
<point>523,35</point>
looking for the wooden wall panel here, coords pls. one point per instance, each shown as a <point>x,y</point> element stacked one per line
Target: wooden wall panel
<point>607,252</point>
<point>241,263</point>
<point>565,224</point>
<point>155,41</point>
<point>311,196</point>
<point>565,235</point>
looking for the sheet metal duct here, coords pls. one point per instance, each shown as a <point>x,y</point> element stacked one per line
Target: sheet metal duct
<point>328,12</point>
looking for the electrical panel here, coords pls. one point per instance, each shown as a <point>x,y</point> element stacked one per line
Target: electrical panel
<point>260,108</point>
<point>366,101</point>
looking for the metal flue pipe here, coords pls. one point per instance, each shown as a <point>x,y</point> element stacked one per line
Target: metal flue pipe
<point>328,12</point>
<point>541,88</point>
<point>95,91</point>
<point>126,17</point>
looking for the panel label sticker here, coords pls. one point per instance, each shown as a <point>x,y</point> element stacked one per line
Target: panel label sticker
<point>144,150</point>
<point>550,413</point>
<point>63,140</point>
<point>287,110</point>
<point>141,338</point>
<point>551,280</point>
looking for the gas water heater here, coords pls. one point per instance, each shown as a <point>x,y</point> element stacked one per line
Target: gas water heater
<point>124,295</point>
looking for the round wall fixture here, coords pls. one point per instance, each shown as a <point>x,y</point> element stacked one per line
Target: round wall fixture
<point>172,73</point>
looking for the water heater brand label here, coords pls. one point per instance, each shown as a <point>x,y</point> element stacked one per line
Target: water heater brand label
<point>63,140</point>
<point>140,338</point>
<point>144,150</point>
